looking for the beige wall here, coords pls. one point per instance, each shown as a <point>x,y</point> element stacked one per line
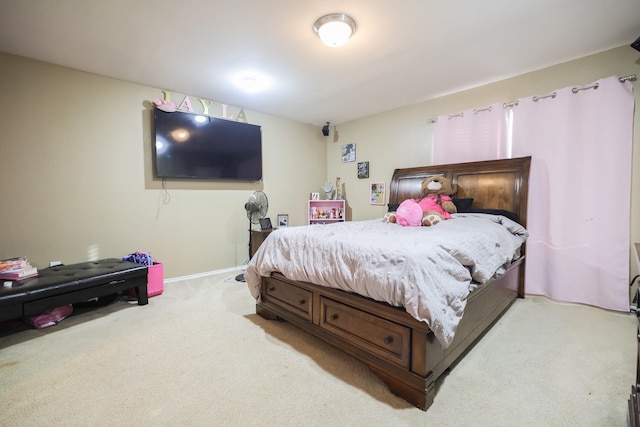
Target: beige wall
<point>76,165</point>
<point>403,137</point>
<point>77,175</point>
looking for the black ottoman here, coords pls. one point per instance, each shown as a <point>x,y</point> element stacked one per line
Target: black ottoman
<point>70,284</point>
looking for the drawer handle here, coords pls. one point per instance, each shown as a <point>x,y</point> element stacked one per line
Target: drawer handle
<point>333,317</point>
<point>302,301</point>
<point>388,340</point>
<point>272,288</point>
<point>115,282</point>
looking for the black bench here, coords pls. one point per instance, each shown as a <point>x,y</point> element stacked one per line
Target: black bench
<point>70,284</point>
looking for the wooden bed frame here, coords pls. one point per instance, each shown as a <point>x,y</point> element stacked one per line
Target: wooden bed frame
<point>399,349</point>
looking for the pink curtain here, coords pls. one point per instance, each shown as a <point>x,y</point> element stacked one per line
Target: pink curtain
<point>472,135</point>
<point>580,140</point>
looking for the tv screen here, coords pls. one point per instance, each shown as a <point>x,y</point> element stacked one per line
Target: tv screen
<point>202,147</point>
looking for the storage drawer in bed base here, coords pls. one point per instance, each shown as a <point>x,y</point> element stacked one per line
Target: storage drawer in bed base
<point>385,339</point>
<point>291,298</point>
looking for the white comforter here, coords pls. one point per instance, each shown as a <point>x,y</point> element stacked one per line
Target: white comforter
<point>426,270</point>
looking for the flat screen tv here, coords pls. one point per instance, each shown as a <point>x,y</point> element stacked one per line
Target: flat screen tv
<point>202,147</point>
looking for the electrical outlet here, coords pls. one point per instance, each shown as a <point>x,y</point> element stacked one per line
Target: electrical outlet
<point>54,263</point>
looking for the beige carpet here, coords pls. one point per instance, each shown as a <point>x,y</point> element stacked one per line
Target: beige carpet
<point>197,355</point>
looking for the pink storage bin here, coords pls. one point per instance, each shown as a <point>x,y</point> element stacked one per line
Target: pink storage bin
<point>155,279</point>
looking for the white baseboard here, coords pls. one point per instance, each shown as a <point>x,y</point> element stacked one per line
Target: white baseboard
<point>205,274</point>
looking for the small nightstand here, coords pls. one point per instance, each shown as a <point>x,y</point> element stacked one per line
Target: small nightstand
<point>257,237</point>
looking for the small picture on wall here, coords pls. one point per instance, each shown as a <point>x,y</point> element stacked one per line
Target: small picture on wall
<point>283,220</point>
<point>348,153</point>
<point>377,194</point>
<point>363,170</point>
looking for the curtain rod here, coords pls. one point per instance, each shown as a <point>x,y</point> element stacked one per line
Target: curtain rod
<point>630,77</point>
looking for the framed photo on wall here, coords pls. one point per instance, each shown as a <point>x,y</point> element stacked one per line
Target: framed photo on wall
<point>283,220</point>
<point>348,153</point>
<point>363,170</point>
<point>377,193</point>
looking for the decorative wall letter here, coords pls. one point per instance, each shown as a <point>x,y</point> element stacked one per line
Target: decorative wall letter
<point>224,112</point>
<point>242,117</point>
<point>186,105</point>
<point>205,106</point>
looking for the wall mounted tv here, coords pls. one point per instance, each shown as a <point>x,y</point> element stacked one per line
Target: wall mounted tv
<point>202,147</point>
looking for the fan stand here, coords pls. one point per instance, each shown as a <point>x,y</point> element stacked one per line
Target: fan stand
<point>256,208</point>
<point>240,277</point>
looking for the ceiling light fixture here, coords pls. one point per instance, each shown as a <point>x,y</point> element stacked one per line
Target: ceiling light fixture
<point>334,29</point>
<point>252,81</point>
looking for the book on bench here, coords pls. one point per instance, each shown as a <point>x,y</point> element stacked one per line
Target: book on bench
<point>19,274</point>
<point>13,264</point>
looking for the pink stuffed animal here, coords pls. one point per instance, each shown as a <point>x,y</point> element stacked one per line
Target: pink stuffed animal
<point>409,213</point>
<point>435,206</point>
<point>164,105</point>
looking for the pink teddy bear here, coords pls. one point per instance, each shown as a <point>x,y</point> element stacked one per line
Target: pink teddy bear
<point>434,207</point>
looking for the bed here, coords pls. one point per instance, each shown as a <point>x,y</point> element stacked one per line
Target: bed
<point>389,335</point>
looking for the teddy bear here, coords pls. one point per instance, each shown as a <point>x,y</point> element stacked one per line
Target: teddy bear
<point>435,206</point>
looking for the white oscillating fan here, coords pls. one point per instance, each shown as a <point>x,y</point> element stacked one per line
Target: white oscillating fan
<point>256,207</point>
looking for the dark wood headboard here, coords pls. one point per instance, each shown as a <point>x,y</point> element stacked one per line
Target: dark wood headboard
<point>493,184</point>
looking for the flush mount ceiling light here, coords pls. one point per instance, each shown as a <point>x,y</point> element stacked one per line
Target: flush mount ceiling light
<point>334,29</point>
<point>252,81</point>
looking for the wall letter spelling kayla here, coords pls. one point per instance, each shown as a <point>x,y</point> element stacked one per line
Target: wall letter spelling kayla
<point>186,105</point>
<point>242,117</point>
<point>205,106</point>
<point>224,112</point>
